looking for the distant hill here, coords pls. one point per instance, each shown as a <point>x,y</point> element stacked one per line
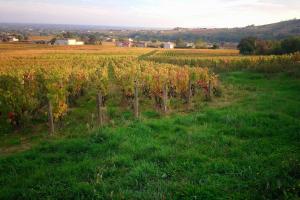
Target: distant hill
<point>278,30</point>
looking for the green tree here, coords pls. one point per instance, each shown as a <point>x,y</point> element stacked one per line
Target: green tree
<point>200,44</point>
<point>92,39</point>
<point>247,45</point>
<point>180,43</point>
<point>290,45</point>
<point>52,41</point>
<point>20,37</point>
<point>68,35</point>
<point>263,47</point>
<point>215,46</point>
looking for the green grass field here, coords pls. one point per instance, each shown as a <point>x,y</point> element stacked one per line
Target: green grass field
<point>243,145</point>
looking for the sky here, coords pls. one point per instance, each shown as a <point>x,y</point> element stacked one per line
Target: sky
<point>150,13</point>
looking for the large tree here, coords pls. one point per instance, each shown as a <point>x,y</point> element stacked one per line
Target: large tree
<point>200,44</point>
<point>180,43</point>
<point>290,45</point>
<point>247,45</point>
<point>68,35</point>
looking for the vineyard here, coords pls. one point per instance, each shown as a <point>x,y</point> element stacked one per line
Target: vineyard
<point>220,60</point>
<point>100,122</point>
<point>34,78</point>
<point>29,86</point>
<point>194,53</point>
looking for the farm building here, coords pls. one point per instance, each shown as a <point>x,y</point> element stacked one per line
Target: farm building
<point>40,39</point>
<point>124,44</point>
<point>11,39</point>
<point>141,44</point>
<point>108,39</point>
<point>155,45</point>
<point>68,42</point>
<point>189,45</point>
<point>169,45</point>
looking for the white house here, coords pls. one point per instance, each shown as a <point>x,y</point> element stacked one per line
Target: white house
<point>189,45</point>
<point>169,45</point>
<point>108,39</point>
<point>12,39</point>
<point>15,39</point>
<point>68,42</point>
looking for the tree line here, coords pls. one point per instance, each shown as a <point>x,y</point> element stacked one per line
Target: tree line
<point>256,46</point>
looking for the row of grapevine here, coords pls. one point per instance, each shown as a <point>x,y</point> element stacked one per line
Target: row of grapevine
<point>198,52</point>
<point>228,63</point>
<point>26,88</point>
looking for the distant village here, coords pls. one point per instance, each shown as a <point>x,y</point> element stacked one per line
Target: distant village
<point>118,42</point>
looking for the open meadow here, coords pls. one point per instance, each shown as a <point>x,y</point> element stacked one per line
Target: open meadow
<point>100,122</point>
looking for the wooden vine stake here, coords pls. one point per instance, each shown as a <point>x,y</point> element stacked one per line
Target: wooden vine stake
<point>50,118</point>
<point>165,98</point>
<point>99,109</point>
<point>190,94</point>
<point>136,100</point>
<point>209,90</point>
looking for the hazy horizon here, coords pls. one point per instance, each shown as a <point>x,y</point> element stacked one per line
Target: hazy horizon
<point>152,14</point>
<point>132,27</point>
